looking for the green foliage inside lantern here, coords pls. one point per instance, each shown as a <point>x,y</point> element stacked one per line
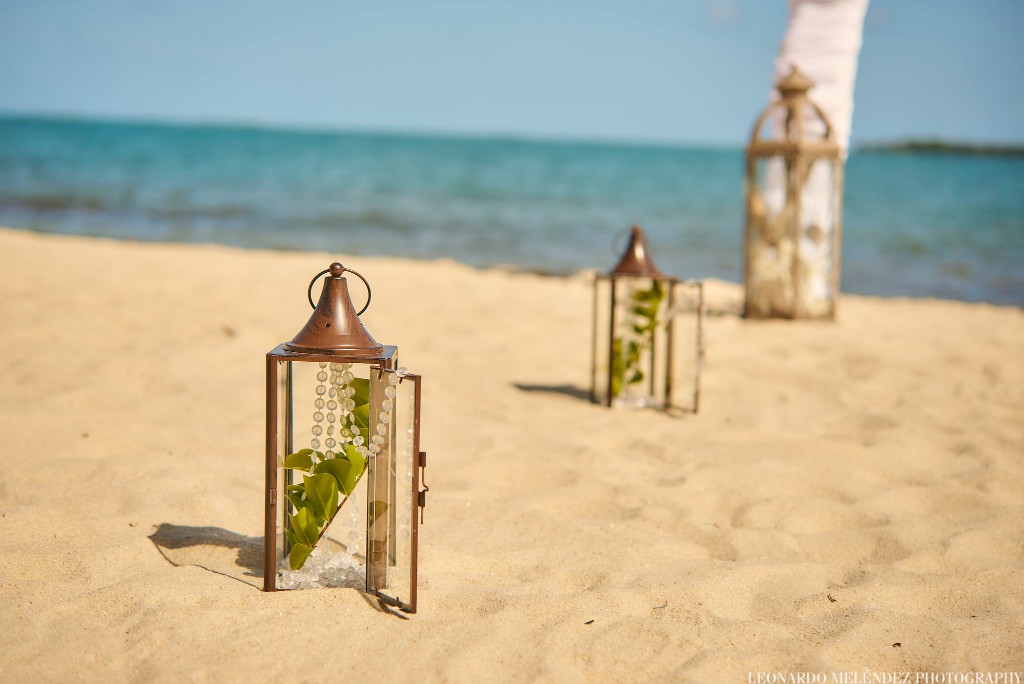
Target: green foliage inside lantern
<point>316,498</point>
<point>644,305</point>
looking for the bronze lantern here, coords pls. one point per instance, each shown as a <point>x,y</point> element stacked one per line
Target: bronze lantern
<point>647,345</point>
<point>343,462</point>
<point>794,188</point>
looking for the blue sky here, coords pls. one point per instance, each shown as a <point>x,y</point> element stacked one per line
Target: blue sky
<point>691,71</point>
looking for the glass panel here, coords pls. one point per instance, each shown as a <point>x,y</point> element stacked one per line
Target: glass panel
<point>687,321</point>
<point>771,239</point>
<point>638,341</point>
<point>393,488</point>
<point>284,447</point>
<point>321,475</point>
<point>815,277</point>
<point>600,349</point>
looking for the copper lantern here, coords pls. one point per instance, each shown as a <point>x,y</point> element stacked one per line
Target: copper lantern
<point>343,463</point>
<point>647,343</point>
<point>794,187</point>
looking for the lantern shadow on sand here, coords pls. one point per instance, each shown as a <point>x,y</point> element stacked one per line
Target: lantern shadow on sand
<point>647,345</point>
<point>794,188</point>
<point>343,460</point>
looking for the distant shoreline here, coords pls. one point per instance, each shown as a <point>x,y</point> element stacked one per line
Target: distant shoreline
<point>942,147</point>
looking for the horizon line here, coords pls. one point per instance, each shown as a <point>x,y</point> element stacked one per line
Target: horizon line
<point>867,145</point>
<point>314,129</point>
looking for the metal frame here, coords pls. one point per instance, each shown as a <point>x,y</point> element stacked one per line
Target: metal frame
<point>665,394</point>
<point>799,153</point>
<point>275,358</point>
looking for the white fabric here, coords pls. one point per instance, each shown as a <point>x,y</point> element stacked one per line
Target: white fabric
<point>823,40</point>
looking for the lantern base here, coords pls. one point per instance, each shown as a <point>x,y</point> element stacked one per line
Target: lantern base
<point>628,401</point>
<point>328,566</point>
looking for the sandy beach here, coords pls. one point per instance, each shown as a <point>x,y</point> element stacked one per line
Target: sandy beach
<point>850,498</point>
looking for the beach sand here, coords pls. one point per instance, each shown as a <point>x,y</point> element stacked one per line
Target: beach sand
<point>851,497</point>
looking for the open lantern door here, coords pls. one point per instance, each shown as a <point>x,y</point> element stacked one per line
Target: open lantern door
<point>394,498</point>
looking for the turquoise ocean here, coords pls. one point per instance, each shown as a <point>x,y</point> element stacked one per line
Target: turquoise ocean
<point>915,224</point>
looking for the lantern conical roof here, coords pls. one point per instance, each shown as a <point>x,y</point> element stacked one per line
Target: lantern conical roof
<point>334,327</point>
<point>634,260</point>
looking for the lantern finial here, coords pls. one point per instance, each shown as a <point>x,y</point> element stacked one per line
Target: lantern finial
<point>635,260</point>
<point>334,326</point>
<point>795,83</point>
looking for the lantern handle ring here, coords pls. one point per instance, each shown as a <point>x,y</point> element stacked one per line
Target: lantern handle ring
<point>369,294</point>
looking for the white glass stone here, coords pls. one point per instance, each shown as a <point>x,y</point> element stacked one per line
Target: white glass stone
<point>323,364</point>
<point>385,417</point>
<point>330,443</point>
<point>330,429</point>
<point>317,430</point>
<point>318,417</point>
<point>321,376</point>
<point>315,443</point>
<point>319,403</point>
<point>358,441</point>
<point>331,405</point>
<point>335,367</point>
<point>386,404</point>
<point>374,449</point>
<point>332,393</point>
<point>389,392</point>
<point>382,430</point>
<point>331,418</point>
<point>321,390</point>
<point>393,378</point>
<point>377,439</point>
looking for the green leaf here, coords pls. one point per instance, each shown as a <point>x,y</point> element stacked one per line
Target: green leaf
<point>299,487</point>
<point>362,388</point>
<point>322,494</point>
<point>305,527</point>
<point>300,460</point>
<point>298,555</point>
<point>376,509</point>
<point>291,536</point>
<point>296,500</point>
<point>618,371</point>
<point>362,416</point>
<point>356,459</point>
<point>339,468</point>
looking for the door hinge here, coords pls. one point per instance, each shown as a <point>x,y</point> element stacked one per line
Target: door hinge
<point>422,494</point>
